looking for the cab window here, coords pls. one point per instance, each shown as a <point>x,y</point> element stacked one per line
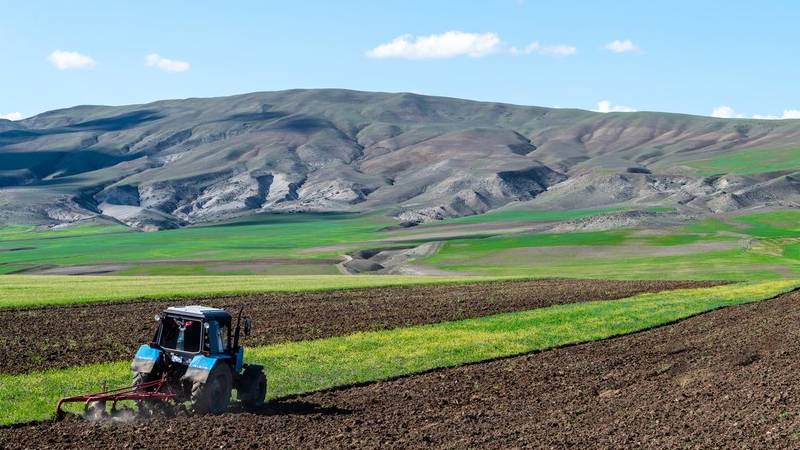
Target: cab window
<point>216,337</point>
<point>181,334</point>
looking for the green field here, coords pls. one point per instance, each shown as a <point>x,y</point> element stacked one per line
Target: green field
<point>537,215</point>
<point>750,161</point>
<point>25,232</point>
<point>746,247</point>
<point>752,246</point>
<point>273,236</point>
<point>298,367</point>
<point>305,236</point>
<point>532,215</point>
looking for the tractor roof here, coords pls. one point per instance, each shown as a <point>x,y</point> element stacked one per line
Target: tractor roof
<point>205,312</point>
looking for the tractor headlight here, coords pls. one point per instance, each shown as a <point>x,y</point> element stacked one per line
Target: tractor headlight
<point>157,318</point>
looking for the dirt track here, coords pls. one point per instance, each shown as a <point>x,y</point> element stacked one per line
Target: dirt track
<point>726,379</point>
<point>56,337</point>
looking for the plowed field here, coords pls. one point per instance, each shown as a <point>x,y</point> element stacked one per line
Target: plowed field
<point>62,336</point>
<point>725,379</point>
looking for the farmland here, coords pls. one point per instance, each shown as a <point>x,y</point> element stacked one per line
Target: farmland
<point>538,289</point>
<point>519,242</point>
<point>702,383</point>
<point>751,246</point>
<point>500,292</point>
<point>300,363</point>
<point>275,236</point>
<point>30,291</point>
<point>291,316</point>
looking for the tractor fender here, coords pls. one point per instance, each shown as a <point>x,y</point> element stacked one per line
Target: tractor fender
<point>145,359</point>
<point>200,367</point>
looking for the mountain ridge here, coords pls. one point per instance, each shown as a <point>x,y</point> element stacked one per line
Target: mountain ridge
<point>177,162</point>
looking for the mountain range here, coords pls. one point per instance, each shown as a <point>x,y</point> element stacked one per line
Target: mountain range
<point>417,158</point>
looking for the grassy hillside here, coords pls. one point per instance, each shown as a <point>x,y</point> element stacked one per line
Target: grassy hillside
<point>750,161</point>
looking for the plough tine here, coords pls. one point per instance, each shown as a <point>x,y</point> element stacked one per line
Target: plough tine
<point>146,391</point>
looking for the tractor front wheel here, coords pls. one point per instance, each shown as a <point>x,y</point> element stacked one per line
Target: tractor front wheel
<point>213,396</point>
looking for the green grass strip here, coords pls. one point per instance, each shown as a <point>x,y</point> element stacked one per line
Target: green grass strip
<point>39,290</point>
<point>299,367</point>
<point>749,161</point>
<point>17,232</point>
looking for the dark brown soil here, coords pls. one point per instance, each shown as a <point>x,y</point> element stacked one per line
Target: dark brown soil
<point>56,337</point>
<point>726,379</point>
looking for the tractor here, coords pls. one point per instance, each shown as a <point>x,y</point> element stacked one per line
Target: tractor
<point>194,357</point>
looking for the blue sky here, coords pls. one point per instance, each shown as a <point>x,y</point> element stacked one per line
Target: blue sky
<point>739,58</point>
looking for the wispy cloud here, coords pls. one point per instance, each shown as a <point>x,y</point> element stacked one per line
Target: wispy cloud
<point>618,46</point>
<point>66,60</point>
<point>445,45</point>
<point>165,64</point>
<point>12,116</point>
<point>726,112</point>
<point>605,106</point>
<point>559,50</point>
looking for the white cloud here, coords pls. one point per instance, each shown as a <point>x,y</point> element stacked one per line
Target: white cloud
<point>165,64</point>
<point>64,60</point>
<point>604,106</point>
<point>726,112</point>
<point>625,46</point>
<point>547,50</point>
<point>787,114</point>
<point>791,114</point>
<point>12,116</point>
<point>445,45</point>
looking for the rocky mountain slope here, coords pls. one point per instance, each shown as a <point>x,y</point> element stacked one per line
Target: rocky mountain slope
<point>418,158</point>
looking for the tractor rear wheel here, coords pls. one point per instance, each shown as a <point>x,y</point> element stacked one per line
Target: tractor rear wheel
<point>213,396</point>
<point>252,387</point>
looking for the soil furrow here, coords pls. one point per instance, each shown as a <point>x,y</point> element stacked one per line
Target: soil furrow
<point>57,337</point>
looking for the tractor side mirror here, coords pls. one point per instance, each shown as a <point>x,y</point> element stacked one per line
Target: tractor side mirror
<point>248,326</point>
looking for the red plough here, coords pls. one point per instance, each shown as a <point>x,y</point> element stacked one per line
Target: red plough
<point>158,390</point>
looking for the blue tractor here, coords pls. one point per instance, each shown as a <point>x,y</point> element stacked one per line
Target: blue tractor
<point>195,356</point>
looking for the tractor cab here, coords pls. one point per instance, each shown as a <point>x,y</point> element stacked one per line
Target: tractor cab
<point>189,330</point>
